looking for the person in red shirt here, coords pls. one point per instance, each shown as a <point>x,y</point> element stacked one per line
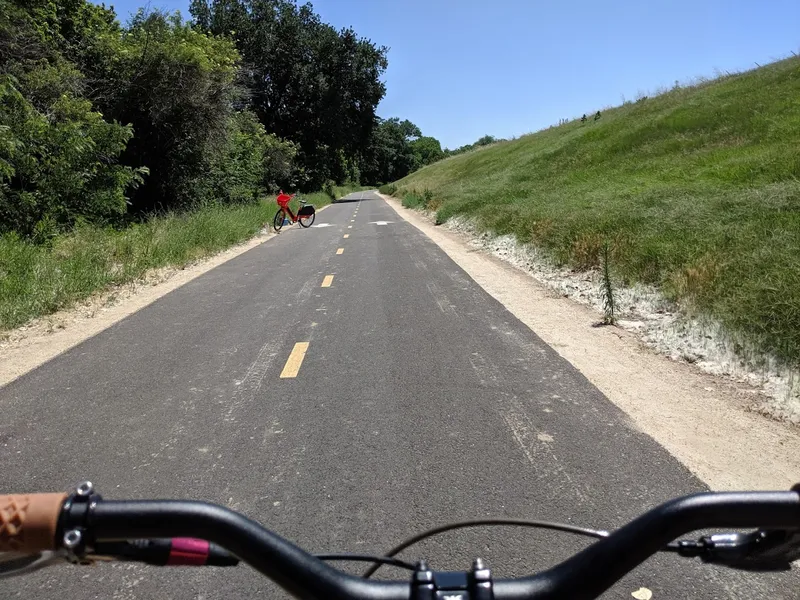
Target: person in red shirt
<point>283,200</point>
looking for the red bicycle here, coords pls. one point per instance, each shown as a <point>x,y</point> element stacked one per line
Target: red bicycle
<point>305,216</point>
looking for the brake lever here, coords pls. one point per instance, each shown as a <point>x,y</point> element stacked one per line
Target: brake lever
<point>761,550</point>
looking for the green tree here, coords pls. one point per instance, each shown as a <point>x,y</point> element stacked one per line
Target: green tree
<point>252,161</point>
<point>176,87</point>
<point>427,150</point>
<point>485,140</point>
<point>389,154</point>
<point>58,155</point>
<point>59,167</point>
<point>307,82</point>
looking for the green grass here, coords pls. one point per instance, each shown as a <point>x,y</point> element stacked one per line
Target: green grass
<point>38,280</point>
<point>696,191</point>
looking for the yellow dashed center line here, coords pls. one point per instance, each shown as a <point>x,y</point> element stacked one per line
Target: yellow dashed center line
<point>346,235</point>
<point>327,281</point>
<point>340,251</point>
<point>292,366</point>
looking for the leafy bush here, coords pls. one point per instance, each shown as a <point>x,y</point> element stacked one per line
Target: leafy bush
<point>59,167</point>
<point>413,200</point>
<point>176,87</point>
<point>329,190</point>
<point>251,163</point>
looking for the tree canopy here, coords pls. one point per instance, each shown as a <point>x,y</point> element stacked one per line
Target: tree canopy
<point>306,81</point>
<point>102,122</point>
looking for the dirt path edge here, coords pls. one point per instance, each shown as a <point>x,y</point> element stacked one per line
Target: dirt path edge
<point>44,338</point>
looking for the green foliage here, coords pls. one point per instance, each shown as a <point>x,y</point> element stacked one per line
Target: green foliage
<point>696,190</point>
<point>484,141</point>
<point>329,191</point>
<point>58,167</point>
<point>252,161</point>
<point>75,76</point>
<point>389,154</point>
<point>413,200</point>
<point>176,87</point>
<point>427,150</point>
<point>308,82</point>
<point>58,155</point>
<point>162,115</point>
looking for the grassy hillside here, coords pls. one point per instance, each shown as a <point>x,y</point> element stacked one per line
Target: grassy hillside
<point>695,190</point>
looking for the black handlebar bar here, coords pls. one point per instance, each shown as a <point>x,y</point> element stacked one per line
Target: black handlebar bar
<point>592,571</point>
<point>298,572</point>
<point>585,575</point>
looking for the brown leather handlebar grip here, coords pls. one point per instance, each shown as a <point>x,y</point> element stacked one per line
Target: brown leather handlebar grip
<point>28,522</point>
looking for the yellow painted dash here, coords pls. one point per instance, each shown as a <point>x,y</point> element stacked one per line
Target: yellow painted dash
<point>292,366</point>
<point>340,251</point>
<point>346,235</point>
<point>327,281</point>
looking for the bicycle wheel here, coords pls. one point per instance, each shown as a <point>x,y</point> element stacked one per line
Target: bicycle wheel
<point>277,222</point>
<point>307,220</point>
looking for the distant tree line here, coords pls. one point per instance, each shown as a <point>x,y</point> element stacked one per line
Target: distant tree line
<point>107,123</point>
<point>484,141</point>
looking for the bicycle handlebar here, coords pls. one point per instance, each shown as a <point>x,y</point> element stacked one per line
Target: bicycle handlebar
<point>36,522</point>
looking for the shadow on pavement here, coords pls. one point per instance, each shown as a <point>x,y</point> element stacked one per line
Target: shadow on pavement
<point>343,200</point>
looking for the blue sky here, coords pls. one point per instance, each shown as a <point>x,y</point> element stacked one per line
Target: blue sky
<point>460,69</point>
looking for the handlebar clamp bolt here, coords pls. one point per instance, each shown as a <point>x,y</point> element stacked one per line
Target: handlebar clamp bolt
<point>72,539</point>
<point>422,584</point>
<point>84,489</point>
<point>480,581</point>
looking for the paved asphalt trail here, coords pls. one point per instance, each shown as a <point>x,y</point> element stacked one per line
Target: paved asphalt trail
<point>420,401</point>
